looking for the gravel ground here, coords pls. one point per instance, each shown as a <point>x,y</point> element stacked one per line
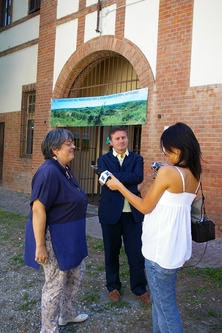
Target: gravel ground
<point>199,296</point>
<point>199,292</point>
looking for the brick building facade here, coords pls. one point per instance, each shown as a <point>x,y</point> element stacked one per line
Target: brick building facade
<point>161,40</point>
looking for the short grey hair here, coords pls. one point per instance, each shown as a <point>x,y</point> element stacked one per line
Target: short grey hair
<point>53,140</point>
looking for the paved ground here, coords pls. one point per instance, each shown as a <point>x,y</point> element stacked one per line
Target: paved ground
<point>18,202</point>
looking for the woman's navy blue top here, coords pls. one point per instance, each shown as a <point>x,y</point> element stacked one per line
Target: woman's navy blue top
<point>65,204</point>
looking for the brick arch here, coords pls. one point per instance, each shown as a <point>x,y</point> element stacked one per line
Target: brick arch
<point>93,50</point>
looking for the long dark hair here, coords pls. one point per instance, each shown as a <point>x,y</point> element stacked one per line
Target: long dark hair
<point>181,136</point>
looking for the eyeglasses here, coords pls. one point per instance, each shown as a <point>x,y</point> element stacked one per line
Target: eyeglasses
<point>69,143</point>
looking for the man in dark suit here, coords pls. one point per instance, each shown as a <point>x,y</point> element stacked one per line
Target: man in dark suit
<point>121,220</point>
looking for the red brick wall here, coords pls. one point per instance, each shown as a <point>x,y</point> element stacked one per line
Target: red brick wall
<point>120,18</point>
<point>169,93</point>
<point>174,100</point>
<point>45,70</point>
<point>16,171</point>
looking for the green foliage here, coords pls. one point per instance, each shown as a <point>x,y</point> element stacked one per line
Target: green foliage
<point>132,113</point>
<point>100,268</point>
<point>90,297</point>
<point>119,305</point>
<point>17,260</point>
<point>98,245</point>
<point>12,228</point>
<point>209,274</point>
<point>212,313</point>
<point>27,303</point>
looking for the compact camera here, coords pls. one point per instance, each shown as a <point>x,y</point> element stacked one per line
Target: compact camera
<point>155,166</point>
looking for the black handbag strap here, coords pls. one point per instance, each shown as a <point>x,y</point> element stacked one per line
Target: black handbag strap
<point>203,201</point>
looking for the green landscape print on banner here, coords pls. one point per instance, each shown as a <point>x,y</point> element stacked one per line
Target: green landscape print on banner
<point>129,108</point>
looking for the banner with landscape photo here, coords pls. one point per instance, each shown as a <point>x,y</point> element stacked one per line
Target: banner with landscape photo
<point>128,108</point>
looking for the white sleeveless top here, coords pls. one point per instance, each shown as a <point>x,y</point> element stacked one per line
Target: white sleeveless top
<point>166,237</point>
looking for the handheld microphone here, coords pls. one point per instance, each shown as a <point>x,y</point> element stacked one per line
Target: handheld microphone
<point>103,175</point>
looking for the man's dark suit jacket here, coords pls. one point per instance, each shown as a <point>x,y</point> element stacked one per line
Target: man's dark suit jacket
<point>130,174</point>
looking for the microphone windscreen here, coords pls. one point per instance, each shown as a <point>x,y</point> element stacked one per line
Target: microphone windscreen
<point>98,171</point>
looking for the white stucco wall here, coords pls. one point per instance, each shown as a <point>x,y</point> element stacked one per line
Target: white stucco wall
<point>20,9</point>
<point>66,7</point>
<point>206,56</point>
<point>20,34</point>
<point>141,27</point>
<point>65,45</point>
<point>107,23</point>
<point>91,2</point>
<point>17,69</point>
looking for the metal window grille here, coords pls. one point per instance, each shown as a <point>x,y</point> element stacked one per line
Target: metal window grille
<point>105,76</point>
<point>108,74</point>
<point>27,124</point>
<point>34,5</point>
<point>5,12</point>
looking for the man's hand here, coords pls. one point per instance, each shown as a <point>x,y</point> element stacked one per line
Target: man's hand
<point>140,187</point>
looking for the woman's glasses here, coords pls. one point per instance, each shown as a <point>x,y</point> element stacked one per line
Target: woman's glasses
<point>69,142</point>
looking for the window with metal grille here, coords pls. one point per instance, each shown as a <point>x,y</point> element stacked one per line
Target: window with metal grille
<point>34,5</point>
<point>5,12</point>
<point>27,123</point>
<point>107,74</point>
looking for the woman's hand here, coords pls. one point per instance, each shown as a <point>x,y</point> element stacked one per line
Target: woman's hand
<point>41,255</point>
<point>39,226</point>
<point>148,202</point>
<point>113,183</point>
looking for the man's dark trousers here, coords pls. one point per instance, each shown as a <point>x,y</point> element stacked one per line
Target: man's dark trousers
<point>131,232</point>
<point>115,223</point>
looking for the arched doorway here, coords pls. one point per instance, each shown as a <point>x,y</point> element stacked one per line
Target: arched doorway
<point>108,74</point>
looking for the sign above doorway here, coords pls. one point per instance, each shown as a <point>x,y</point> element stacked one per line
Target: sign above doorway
<point>127,108</point>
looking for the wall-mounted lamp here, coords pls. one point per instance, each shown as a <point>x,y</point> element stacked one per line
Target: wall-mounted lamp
<point>99,7</point>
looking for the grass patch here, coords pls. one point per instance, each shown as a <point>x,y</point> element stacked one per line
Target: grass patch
<point>90,297</point>
<point>12,227</point>
<point>117,305</point>
<point>17,260</point>
<point>200,290</point>
<point>100,268</point>
<point>27,303</point>
<point>209,274</point>
<point>12,220</point>
<point>98,245</point>
<point>212,313</point>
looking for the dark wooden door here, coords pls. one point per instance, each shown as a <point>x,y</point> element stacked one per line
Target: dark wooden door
<point>2,127</point>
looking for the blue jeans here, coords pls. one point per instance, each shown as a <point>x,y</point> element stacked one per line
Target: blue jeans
<point>162,283</point>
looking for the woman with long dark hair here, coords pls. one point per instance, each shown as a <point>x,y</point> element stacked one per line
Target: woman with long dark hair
<point>166,238</point>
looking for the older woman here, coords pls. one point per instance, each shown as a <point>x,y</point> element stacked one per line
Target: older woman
<point>55,231</point>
